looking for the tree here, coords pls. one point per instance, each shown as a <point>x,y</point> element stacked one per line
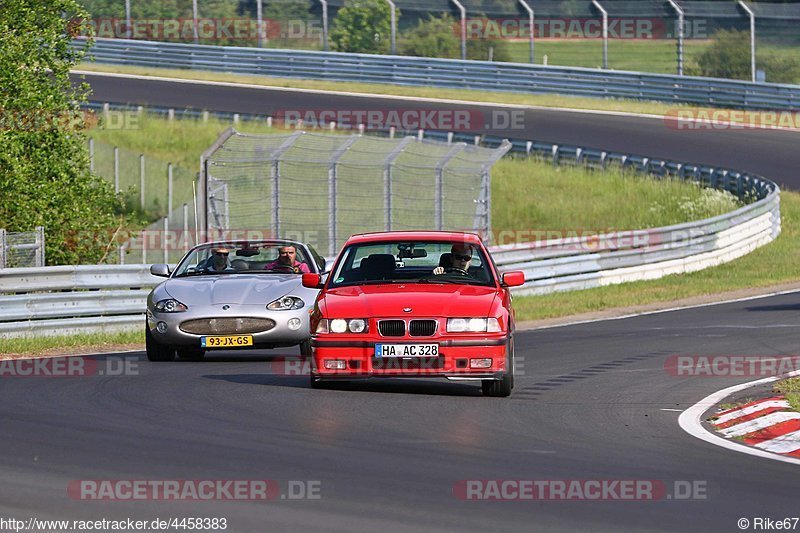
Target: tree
<point>434,37</point>
<point>44,164</point>
<point>728,56</point>
<point>362,26</point>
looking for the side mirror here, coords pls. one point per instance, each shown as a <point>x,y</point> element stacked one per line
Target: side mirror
<point>513,279</point>
<point>161,270</point>
<point>312,281</point>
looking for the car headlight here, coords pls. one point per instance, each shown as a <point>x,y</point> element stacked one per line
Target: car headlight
<point>287,303</point>
<point>342,325</point>
<point>170,306</point>
<point>473,325</point>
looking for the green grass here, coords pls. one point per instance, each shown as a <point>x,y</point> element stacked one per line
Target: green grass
<point>770,265</point>
<point>791,388</point>
<point>62,344</point>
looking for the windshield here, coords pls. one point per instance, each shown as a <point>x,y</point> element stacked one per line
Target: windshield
<point>232,258</point>
<point>417,262</point>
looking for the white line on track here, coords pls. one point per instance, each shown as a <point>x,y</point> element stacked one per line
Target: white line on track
<point>667,310</point>
<point>690,421</point>
<point>473,103</point>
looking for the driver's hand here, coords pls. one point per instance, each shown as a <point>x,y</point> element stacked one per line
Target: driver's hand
<point>438,270</point>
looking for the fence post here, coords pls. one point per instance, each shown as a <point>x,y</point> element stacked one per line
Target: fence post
<point>2,248</point>
<point>91,154</point>
<point>116,170</point>
<point>531,15</point>
<point>164,239</point>
<point>439,184</point>
<point>680,13</point>
<point>141,180</point>
<point>605,32</point>
<point>40,258</point>
<point>169,189</point>
<point>387,181</point>
<point>185,228</point>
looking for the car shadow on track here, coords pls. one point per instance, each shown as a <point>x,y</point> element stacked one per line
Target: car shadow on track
<point>395,386</point>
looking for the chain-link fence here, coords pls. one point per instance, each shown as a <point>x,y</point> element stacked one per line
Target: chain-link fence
<point>321,188</point>
<point>22,249</point>
<point>641,35</point>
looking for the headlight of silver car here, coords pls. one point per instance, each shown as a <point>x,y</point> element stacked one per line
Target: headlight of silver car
<point>170,306</point>
<point>287,303</point>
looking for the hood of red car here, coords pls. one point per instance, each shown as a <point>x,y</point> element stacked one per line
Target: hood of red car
<point>390,300</point>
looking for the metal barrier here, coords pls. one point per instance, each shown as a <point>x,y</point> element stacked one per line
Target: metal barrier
<point>450,73</point>
<point>106,298</point>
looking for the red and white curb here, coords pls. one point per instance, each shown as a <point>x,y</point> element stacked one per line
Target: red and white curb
<point>769,424</point>
<point>765,428</point>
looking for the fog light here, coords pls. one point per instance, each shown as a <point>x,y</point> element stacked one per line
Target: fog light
<point>294,324</point>
<point>335,364</point>
<point>161,327</point>
<point>480,363</point>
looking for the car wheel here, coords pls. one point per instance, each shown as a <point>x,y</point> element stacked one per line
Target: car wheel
<point>191,354</point>
<point>305,348</point>
<point>156,351</point>
<point>501,388</point>
<point>315,382</point>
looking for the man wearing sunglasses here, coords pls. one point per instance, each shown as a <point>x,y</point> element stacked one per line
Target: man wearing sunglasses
<point>218,262</point>
<point>460,258</point>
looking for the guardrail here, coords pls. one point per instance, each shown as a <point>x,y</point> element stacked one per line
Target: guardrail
<point>106,298</point>
<point>449,73</point>
<point>99,298</point>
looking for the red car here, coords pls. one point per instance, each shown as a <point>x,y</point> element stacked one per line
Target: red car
<point>414,304</point>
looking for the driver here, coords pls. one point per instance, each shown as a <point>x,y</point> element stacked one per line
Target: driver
<point>287,260</point>
<point>460,257</point>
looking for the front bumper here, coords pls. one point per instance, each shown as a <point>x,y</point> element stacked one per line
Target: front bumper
<point>279,335</point>
<point>453,361</point>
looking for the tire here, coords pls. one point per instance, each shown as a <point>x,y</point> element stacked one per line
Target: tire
<point>501,388</point>
<point>315,382</point>
<point>305,348</point>
<point>191,354</point>
<point>155,351</point>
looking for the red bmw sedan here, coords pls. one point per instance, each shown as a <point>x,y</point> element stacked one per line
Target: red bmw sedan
<point>414,304</point>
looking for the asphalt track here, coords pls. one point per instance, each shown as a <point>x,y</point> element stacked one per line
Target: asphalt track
<point>771,153</point>
<point>592,401</point>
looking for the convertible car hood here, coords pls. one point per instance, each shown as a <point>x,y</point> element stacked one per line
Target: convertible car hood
<point>447,300</point>
<point>240,289</point>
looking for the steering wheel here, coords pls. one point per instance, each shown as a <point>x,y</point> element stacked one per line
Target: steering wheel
<point>286,268</point>
<point>456,270</point>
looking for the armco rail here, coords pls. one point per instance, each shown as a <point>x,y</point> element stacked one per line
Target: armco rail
<point>105,298</point>
<point>449,73</point>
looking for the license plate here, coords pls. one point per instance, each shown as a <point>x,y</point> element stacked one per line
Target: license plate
<point>226,341</point>
<point>406,350</point>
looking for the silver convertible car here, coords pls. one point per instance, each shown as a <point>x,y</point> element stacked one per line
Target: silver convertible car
<point>232,295</point>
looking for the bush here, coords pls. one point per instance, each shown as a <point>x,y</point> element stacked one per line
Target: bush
<point>441,37</point>
<point>362,26</point>
<point>44,164</point>
<point>729,57</point>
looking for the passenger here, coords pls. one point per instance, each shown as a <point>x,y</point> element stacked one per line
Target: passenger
<point>218,262</point>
